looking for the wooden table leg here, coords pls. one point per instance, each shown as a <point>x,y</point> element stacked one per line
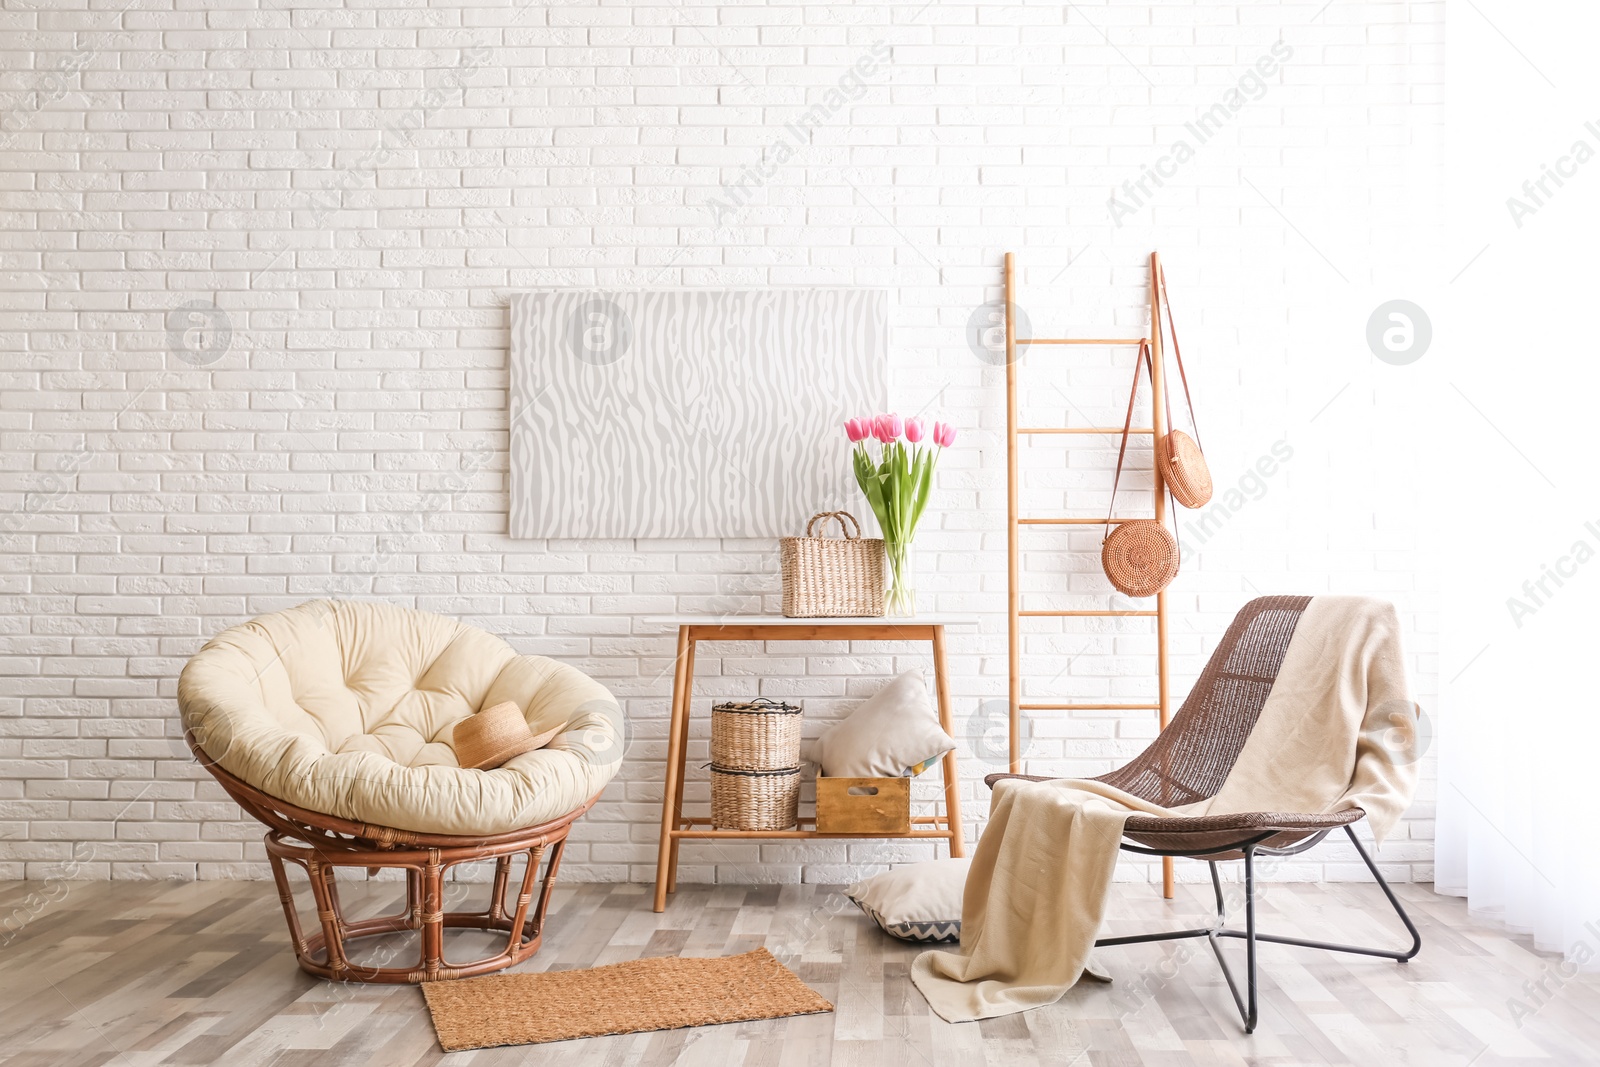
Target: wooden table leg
<point>683,749</point>
<point>952,779</point>
<point>674,775</point>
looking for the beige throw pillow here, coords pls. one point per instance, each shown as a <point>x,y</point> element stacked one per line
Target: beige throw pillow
<point>919,902</point>
<point>893,734</point>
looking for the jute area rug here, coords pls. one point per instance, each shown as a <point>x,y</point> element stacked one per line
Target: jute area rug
<point>660,993</point>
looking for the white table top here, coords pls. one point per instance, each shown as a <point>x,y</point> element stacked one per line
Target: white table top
<point>783,620</point>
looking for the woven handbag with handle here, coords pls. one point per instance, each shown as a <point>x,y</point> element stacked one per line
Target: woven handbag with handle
<point>832,577</point>
<point>1140,556</point>
<point>1182,463</point>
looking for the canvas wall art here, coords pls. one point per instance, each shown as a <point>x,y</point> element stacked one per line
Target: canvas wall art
<point>688,413</point>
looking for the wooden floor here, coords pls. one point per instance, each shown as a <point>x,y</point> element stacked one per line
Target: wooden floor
<point>199,973</point>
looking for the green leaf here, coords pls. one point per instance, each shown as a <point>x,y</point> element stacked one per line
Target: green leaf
<point>897,486</point>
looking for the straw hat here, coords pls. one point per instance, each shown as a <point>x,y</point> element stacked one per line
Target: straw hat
<point>495,735</point>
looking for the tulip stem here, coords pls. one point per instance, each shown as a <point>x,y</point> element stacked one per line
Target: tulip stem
<point>901,598</point>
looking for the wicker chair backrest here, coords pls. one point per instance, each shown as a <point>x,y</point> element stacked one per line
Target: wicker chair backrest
<point>1191,758</point>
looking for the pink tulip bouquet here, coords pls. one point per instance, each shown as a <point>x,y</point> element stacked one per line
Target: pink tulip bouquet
<point>897,483</point>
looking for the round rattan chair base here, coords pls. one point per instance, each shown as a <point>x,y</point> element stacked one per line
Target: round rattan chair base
<point>321,844</point>
<point>326,953</point>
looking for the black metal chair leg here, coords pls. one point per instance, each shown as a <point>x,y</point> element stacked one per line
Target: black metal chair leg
<point>1246,1002</point>
<point>1248,999</point>
<point>1250,935</point>
<point>1216,884</point>
<point>1394,901</point>
<point>1333,946</point>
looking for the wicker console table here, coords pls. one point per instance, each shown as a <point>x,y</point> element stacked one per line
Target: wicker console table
<point>675,828</point>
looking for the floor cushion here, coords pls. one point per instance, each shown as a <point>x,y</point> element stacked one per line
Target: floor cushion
<point>916,902</point>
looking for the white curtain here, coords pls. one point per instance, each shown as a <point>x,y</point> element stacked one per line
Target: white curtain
<point>1517,473</point>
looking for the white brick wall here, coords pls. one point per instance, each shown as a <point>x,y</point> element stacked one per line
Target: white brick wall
<point>358,188</point>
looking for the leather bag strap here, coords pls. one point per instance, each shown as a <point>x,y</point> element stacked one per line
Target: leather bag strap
<point>1142,361</point>
<point>1177,353</point>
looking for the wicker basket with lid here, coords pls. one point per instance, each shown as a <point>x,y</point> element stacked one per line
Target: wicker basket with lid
<point>755,765</point>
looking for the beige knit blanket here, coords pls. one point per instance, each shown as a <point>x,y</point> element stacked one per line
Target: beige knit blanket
<point>1036,893</point>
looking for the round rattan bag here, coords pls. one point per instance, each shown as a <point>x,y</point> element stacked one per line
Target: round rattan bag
<point>1183,468</point>
<point>1140,557</point>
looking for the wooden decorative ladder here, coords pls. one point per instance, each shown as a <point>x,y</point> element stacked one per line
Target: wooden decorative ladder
<point>1015,521</point>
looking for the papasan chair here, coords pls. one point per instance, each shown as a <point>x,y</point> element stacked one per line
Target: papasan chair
<point>332,722</point>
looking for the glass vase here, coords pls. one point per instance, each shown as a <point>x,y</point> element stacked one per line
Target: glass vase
<point>900,599</point>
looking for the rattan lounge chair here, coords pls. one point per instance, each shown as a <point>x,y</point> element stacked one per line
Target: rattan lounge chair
<point>332,724</point>
<point>1189,762</point>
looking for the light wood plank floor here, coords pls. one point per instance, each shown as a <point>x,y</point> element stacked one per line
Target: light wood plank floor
<point>141,974</point>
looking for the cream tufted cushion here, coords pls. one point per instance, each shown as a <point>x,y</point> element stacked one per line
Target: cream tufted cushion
<point>347,708</point>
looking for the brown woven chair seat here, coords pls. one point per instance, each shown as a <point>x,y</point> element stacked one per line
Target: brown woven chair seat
<point>1189,833</point>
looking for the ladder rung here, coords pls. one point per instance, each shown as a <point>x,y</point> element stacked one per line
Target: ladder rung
<point>1089,707</point>
<point>1082,340</point>
<point>1081,429</point>
<point>1083,614</point>
<point>1074,522</point>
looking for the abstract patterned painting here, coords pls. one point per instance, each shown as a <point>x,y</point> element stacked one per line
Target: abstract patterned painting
<point>689,413</point>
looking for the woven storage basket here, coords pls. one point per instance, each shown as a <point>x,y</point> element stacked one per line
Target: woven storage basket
<point>755,800</point>
<point>832,577</point>
<point>763,735</point>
